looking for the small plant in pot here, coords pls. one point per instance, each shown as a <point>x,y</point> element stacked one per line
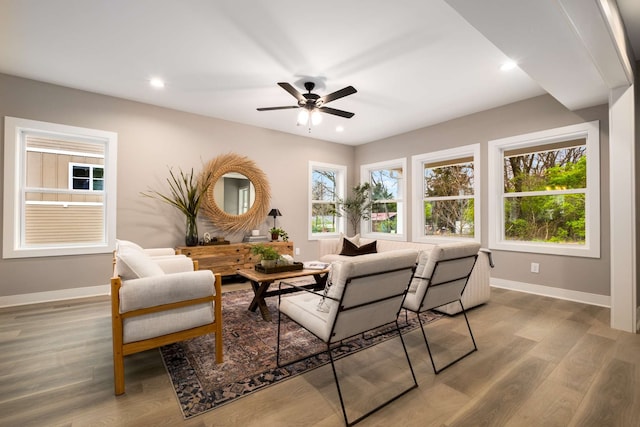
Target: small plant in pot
<point>276,233</point>
<point>268,256</point>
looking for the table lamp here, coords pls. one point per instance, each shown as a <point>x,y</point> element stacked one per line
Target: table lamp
<point>274,213</point>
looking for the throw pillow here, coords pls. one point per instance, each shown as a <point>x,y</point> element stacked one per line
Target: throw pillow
<point>354,239</point>
<point>350,249</point>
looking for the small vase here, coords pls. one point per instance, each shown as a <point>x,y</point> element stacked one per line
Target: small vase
<point>191,238</point>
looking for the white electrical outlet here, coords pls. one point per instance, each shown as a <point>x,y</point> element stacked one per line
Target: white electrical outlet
<point>535,267</point>
<point>297,251</point>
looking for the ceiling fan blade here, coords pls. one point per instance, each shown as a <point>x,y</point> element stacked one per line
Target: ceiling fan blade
<point>335,112</point>
<point>349,90</point>
<point>292,90</point>
<point>276,108</point>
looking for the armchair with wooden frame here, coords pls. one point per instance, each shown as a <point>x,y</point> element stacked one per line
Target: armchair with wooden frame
<point>159,298</point>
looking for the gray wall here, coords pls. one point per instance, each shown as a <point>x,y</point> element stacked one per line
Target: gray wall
<point>150,139</point>
<point>540,113</point>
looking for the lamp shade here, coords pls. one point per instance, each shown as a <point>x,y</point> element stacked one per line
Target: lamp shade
<point>274,213</point>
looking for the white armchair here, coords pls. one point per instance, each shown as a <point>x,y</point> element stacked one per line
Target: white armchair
<point>362,293</point>
<point>440,279</point>
<point>158,300</point>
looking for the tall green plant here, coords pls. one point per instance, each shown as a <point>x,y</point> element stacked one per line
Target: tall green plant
<point>185,193</point>
<point>357,206</point>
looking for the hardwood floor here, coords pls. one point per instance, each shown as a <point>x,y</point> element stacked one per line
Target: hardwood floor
<point>540,362</point>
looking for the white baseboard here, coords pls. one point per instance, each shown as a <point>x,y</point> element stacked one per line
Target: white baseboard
<point>63,294</point>
<point>548,291</point>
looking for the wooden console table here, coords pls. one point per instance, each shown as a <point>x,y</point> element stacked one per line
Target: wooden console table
<point>228,259</point>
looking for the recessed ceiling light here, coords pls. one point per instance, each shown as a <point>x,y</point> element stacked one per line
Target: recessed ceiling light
<point>509,65</point>
<point>156,82</point>
<point>339,129</point>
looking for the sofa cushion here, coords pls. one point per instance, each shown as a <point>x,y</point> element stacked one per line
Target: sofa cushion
<point>134,264</point>
<point>351,249</point>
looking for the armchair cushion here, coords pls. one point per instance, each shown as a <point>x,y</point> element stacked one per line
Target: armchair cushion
<point>174,263</point>
<point>167,288</point>
<point>157,324</point>
<point>152,252</point>
<point>133,264</point>
<point>416,293</point>
<point>303,307</point>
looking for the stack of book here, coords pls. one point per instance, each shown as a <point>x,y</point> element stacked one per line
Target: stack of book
<point>250,238</point>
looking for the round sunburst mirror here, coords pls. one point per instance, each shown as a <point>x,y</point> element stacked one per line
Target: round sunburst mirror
<point>238,197</point>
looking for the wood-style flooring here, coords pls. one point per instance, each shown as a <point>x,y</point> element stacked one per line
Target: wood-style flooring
<point>540,362</point>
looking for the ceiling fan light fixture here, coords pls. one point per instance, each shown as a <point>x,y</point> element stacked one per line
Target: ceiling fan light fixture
<point>303,117</point>
<point>316,117</point>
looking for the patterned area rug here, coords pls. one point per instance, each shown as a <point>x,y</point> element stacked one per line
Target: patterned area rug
<point>250,355</point>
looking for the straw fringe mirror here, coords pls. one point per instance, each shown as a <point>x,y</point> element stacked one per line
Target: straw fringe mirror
<point>255,214</point>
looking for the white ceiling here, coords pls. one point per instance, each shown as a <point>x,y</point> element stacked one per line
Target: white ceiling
<point>413,62</point>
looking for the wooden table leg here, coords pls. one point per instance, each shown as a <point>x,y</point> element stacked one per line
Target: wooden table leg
<point>258,299</point>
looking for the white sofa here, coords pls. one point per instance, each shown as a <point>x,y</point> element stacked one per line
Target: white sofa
<point>477,291</point>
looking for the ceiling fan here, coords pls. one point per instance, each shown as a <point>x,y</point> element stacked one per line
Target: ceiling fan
<point>312,102</point>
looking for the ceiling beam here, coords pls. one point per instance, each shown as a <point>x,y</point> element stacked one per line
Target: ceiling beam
<point>567,46</point>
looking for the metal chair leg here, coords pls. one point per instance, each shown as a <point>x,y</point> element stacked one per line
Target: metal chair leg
<point>335,376</point>
<point>475,347</point>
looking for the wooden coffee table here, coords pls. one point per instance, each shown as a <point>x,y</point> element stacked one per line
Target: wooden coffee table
<point>260,282</point>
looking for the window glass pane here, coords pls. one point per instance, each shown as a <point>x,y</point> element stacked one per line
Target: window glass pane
<point>453,218</point>
<point>550,219</point>
<point>386,184</point>
<point>98,173</point>
<point>451,180</point>
<point>80,184</point>
<point>324,185</point>
<point>384,217</point>
<point>323,218</point>
<point>98,184</point>
<point>560,169</point>
<point>81,171</point>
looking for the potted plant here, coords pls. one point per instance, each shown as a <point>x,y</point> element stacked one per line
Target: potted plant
<point>357,206</point>
<point>276,233</point>
<point>186,195</point>
<point>268,254</point>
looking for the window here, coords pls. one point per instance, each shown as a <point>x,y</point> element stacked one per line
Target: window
<point>446,194</point>
<point>60,189</point>
<point>387,199</point>
<point>545,189</point>
<point>327,183</point>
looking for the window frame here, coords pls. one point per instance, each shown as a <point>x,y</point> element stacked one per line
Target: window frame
<point>15,184</point>
<point>341,185</point>
<point>401,203</point>
<point>589,131</point>
<point>453,154</point>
